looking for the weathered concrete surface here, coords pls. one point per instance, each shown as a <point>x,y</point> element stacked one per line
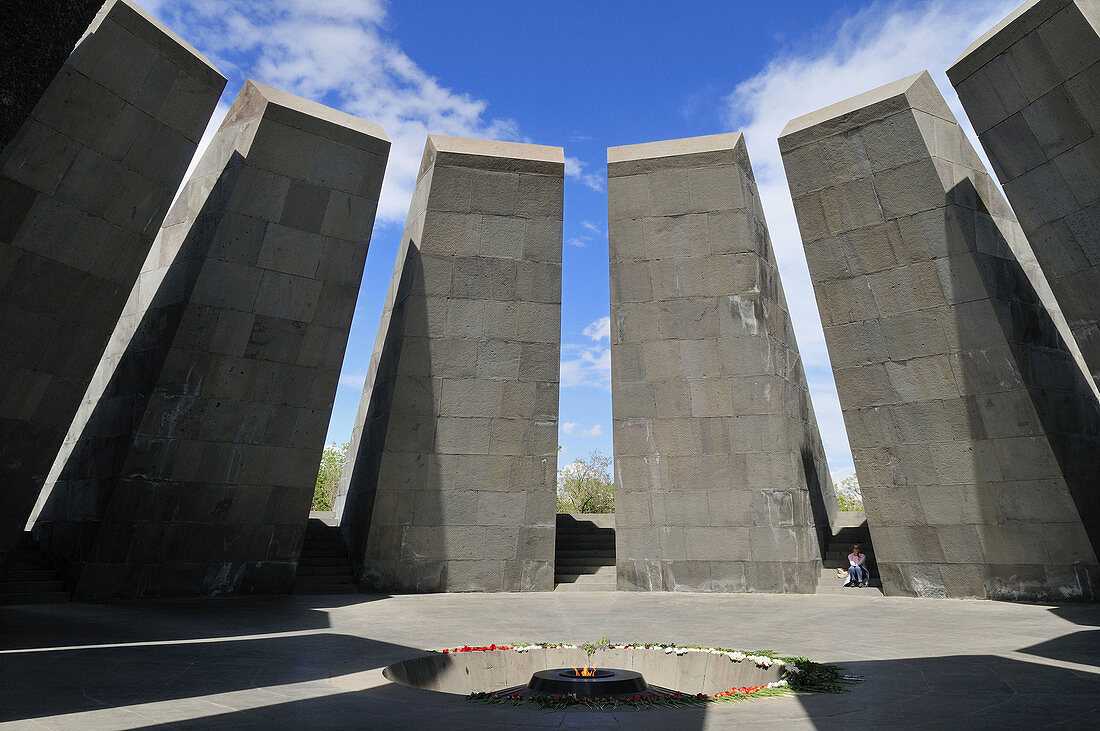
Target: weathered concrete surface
<point>451,476</point>
<point>39,38</point>
<point>973,428</point>
<point>191,466</point>
<point>270,662</point>
<point>1031,87</point>
<point>721,479</point>
<point>84,187</point>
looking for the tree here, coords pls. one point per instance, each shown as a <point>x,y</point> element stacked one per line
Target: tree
<point>328,476</point>
<point>585,486</point>
<point>848,496</point>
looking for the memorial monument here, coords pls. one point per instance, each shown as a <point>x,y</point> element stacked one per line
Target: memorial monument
<point>972,426</point>
<point>84,186</point>
<point>721,479</point>
<point>191,468</point>
<point>1031,87</point>
<point>451,475</point>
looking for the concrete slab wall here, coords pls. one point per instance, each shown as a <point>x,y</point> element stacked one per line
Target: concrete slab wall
<point>1031,87</point>
<point>451,476</point>
<point>973,428</point>
<point>84,186</point>
<point>721,479</point>
<point>40,38</point>
<point>191,467</point>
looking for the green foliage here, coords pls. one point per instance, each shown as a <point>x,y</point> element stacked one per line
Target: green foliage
<point>590,647</point>
<point>814,677</point>
<point>848,496</point>
<point>328,476</point>
<point>585,486</point>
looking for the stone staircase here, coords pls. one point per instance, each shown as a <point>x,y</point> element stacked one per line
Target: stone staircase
<point>585,552</point>
<point>29,578</point>
<point>324,567</point>
<point>850,527</point>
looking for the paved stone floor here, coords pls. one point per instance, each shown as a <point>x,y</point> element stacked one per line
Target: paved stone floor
<point>314,662</point>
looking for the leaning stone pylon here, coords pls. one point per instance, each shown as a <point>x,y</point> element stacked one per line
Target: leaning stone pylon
<point>1031,87</point>
<point>721,479</point>
<point>191,468</point>
<point>973,427</point>
<point>84,186</point>
<point>450,481</point>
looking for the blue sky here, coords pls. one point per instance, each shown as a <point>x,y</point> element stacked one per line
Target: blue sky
<point>583,76</point>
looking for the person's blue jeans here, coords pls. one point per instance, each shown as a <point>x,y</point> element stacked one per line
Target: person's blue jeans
<point>857,575</point>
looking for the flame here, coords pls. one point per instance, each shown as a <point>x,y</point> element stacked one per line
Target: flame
<point>585,672</point>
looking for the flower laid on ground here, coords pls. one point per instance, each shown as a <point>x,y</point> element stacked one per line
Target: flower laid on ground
<point>468,648</point>
<point>758,658</point>
<point>799,674</point>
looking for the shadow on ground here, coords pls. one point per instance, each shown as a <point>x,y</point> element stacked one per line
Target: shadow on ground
<point>957,691</point>
<point>37,627</point>
<point>153,673</point>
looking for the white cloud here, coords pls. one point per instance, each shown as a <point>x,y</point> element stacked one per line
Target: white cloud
<point>335,52</point>
<point>578,242</point>
<point>599,329</point>
<point>568,427</point>
<point>574,168</point>
<point>591,227</point>
<point>353,380</point>
<point>842,474</point>
<point>585,365</point>
<point>595,431</point>
<point>879,44</point>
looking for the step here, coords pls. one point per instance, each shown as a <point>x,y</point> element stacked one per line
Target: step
<point>327,589</point>
<point>319,561</point>
<point>333,570</point>
<point>310,552</point>
<point>583,529</point>
<point>26,541</point>
<point>601,572</point>
<point>51,597</point>
<point>28,555</point>
<point>603,586</point>
<point>30,587</point>
<point>313,542</point>
<point>584,546</point>
<point>866,591</point>
<point>585,570</point>
<point>586,552</point>
<point>22,574</point>
<point>585,560</point>
<point>584,579</point>
<point>828,576</point>
<point>308,580</point>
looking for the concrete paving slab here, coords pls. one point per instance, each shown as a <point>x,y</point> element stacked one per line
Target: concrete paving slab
<point>296,662</point>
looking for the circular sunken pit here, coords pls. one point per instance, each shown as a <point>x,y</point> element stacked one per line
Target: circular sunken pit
<point>547,675</point>
<point>601,683</point>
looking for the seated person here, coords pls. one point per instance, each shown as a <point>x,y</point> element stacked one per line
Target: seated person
<point>858,575</point>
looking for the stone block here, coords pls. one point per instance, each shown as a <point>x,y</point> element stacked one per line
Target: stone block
<point>1037,123</point>
<point>947,372</point>
<point>79,215</point>
<point>477,288</point>
<point>212,353</point>
<point>710,403</point>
